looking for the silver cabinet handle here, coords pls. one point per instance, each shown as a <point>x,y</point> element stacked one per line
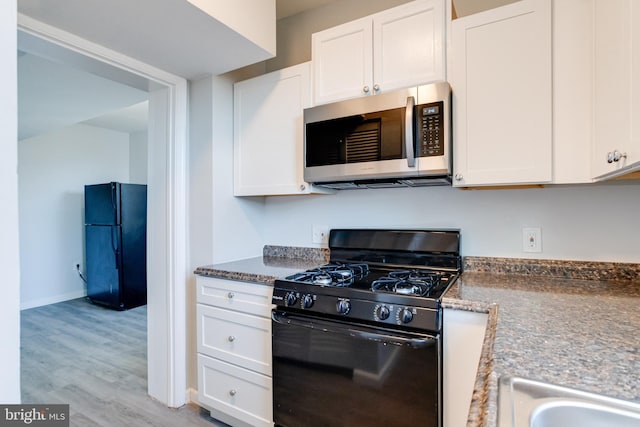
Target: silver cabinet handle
<point>231,295</point>
<point>231,338</point>
<point>376,87</point>
<point>365,89</point>
<point>618,155</point>
<point>459,177</point>
<point>232,392</point>
<point>615,156</point>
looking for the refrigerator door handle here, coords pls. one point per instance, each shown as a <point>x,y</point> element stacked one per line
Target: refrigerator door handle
<point>114,203</point>
<point>114,245</point>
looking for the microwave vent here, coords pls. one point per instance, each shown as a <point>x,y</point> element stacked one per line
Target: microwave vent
<point>363,146</point>
<point>427,181</point>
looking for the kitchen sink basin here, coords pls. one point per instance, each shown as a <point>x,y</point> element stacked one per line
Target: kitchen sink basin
<point>527,403</point>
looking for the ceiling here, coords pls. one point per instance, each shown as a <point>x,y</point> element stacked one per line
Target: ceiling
<point>177,36</point>
<point>52,95</point>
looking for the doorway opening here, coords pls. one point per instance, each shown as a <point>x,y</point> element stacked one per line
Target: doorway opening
<point>166,180</point>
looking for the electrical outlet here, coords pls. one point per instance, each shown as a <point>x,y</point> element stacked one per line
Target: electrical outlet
<point>531,239</point>
<point>321,234</point>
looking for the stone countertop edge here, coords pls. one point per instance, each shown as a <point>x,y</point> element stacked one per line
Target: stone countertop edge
<point>483,409</point>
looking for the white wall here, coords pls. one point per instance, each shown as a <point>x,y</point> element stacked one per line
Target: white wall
<point>53,169</point>
<point>200,204</point>
<point>221,227</point>
<point>590,222</point>
<point>138,157</point>
<point>9,256</point>
<point>238,222</point>
<point>253,19</point>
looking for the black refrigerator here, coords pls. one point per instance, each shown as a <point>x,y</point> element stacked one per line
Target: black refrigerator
<point>115,217</point>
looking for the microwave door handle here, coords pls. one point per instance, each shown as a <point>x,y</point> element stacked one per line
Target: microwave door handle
<point>408,133</point>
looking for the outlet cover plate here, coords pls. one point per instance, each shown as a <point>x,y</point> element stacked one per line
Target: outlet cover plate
<point>321,234</point>
<point>532,239</point>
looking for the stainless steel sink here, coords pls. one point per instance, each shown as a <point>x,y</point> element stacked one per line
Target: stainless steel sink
<point>528,403</point>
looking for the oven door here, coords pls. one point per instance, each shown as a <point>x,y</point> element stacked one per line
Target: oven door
<point>332,373</point>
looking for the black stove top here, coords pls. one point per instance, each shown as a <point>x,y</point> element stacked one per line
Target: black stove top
<point>363,277</point>
<point>396,277</point>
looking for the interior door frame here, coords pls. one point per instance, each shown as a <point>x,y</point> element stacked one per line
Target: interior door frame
<point>166,220</point>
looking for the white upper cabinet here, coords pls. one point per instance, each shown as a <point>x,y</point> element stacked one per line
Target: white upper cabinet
<point>408,43</point>
<point>342,61</point>
<point>268,133</point>
<point>399,47</point>
<point>572,91</point>
<point>617,88</point>
<point>501,79</point>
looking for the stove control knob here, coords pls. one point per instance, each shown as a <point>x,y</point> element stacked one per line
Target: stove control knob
<point>343,306</point>
<point>383,312</point>
<point>307,301</point>
<point>406,315</point>
<point>290,299</point>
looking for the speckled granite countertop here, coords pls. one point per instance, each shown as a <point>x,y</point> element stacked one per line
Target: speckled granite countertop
<point>573,332</point>
<point>546,322</point>
<point>275,262</point>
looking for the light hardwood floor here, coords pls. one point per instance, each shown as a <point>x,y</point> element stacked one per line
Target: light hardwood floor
<point>95,360</point>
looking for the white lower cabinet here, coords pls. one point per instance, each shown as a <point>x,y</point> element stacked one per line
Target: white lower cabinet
<point>234,351</point>
<point>463,337</point>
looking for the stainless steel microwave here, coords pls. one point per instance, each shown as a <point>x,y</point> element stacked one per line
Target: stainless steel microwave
<point>399,138</point>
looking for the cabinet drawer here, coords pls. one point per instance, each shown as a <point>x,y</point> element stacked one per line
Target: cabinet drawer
<point>239,338</point>
<point>240,296</point>
<point>237,392</point>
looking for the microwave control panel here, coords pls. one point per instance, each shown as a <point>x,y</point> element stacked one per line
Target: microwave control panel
<point>429,129</point>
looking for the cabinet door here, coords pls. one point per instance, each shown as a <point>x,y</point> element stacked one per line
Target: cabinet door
<point>617,95</point>
<point>268,132</point>
<point>342,58</point>
<point>408,45</point>
<point>633,151</point>
<point>501,83</point>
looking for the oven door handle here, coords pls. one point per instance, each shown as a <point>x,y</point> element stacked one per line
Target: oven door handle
<point>383,336</point>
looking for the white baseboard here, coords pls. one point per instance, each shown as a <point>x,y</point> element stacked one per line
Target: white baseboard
<point>24,305</point>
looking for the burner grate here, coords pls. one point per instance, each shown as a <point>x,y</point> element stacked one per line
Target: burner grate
<point>334,274</point>
<point>407,282</point>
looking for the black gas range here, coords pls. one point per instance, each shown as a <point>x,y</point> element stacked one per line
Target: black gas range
<point>388,277</point>
<point>358,341</point>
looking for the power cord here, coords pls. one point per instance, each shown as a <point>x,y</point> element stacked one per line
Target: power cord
<point>80,273</point>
